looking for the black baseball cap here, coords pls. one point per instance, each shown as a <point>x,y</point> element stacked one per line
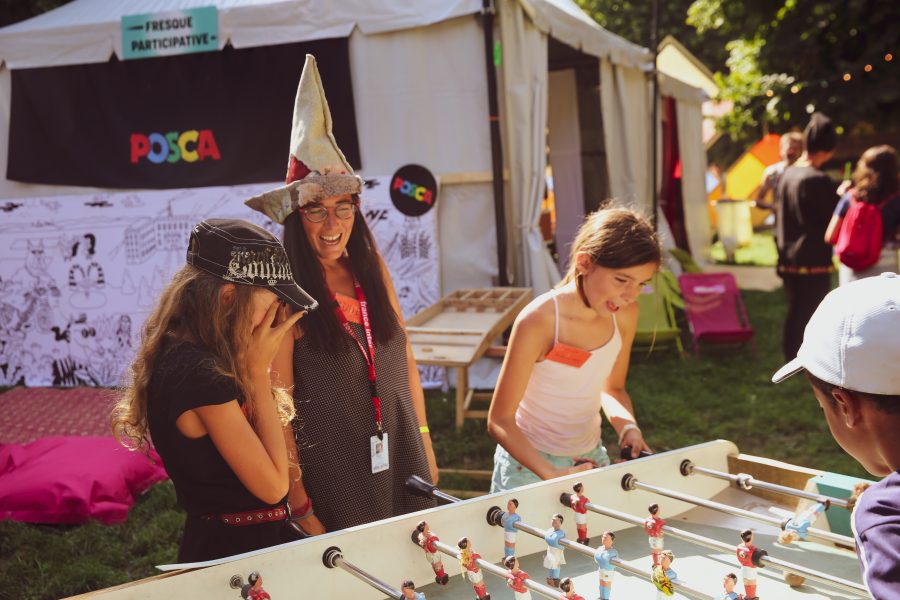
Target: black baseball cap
<point>241,252</point>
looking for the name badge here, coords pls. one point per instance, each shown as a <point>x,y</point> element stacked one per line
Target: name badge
<point>567,355</point>
<point>379,448</point>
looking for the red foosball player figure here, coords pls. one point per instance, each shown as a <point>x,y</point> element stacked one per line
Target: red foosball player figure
<point>653,526</point>
<point>750,558</point>
<point>578,501</point>
<point>427,540</point>
<point>729,583</point>
<point>568,589</point>
<point>255,589</point>
<point>468,560</point>
<point>516,577</point>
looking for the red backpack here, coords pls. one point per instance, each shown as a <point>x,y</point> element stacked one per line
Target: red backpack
<point>859,241</point>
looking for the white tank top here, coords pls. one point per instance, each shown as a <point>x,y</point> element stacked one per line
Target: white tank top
<point>560,409</point>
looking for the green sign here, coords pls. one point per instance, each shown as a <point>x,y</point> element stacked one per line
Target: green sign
<point>168,33</point>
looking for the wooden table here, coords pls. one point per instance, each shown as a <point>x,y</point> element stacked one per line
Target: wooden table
<point>458,330</point>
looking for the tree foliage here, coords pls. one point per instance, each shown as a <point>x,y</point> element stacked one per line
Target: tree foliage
<point>778,60</point>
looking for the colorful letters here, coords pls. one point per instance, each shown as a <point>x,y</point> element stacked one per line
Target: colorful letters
<point>417,192</point>
<point>189,146</point>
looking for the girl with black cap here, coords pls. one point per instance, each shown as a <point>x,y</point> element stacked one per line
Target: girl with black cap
<point>200,386</point>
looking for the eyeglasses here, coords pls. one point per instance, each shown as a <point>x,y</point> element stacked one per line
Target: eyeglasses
<point>317,214</point>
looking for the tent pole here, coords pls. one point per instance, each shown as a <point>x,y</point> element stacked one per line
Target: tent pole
<point>488,11</point>
<point>654,95</point>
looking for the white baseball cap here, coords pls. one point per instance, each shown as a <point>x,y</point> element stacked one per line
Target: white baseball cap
<point>853,339</point>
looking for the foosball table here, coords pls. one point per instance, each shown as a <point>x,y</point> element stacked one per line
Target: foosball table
<point>687,549</point>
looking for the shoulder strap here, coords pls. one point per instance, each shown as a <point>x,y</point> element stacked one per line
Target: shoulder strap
<point>555,320</point>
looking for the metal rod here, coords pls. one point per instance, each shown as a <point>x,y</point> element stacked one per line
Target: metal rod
<point>447,497</point>
<point>746,482</point>
<point>333,558</point>
<point>493,518</point>
<point>500,572</point>
<point>700,540</point>
<point>629,482</point>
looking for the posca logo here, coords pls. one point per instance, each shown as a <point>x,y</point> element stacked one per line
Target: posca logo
<point>413,190</point>
<point>172,147</point>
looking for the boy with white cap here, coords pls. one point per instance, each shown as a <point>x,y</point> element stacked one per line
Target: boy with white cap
<point>851,356</point>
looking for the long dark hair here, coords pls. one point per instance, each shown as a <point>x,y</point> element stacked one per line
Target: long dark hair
<point>875,178</point>
<point>322,326</point>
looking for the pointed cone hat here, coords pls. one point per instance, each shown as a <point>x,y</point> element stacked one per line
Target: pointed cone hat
<point>317,169</point>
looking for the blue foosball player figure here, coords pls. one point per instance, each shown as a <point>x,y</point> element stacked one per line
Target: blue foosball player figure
<point>408,590</point>
<point>554,557</point>
<point>603,557</point>
<point>729,583</point>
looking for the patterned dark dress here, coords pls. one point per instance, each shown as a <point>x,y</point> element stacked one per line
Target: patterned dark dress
<point>335,421</point>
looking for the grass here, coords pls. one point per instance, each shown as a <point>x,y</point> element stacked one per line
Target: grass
<point>761,251</point>
<point>723,394</point>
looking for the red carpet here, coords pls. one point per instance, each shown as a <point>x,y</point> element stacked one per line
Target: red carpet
<point>28,414</point>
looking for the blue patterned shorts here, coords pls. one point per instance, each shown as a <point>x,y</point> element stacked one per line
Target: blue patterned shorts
<point>509,473</point>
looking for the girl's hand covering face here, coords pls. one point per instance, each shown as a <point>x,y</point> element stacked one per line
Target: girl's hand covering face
<point>268,334</point>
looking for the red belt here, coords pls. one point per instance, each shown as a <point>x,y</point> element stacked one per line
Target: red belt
<point>251,517</point>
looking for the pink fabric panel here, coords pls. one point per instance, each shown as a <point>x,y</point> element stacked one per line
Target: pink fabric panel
<point>73,480</point>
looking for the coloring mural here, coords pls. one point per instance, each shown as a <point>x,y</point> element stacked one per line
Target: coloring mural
<point>79,274</point>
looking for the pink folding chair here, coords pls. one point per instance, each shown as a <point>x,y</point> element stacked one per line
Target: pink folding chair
<point>715,310</point>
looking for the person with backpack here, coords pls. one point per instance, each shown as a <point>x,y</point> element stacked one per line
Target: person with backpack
<point>805,199</point>
<point>864,227</point>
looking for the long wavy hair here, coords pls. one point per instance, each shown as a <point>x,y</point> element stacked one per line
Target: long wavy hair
<point>615,238</point>
<point>322,326</point>
<point>875,177</point>
<point>191,309</point>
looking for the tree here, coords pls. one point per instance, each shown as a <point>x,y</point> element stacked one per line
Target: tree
<point>13,11</point>
<point>791,57</point>
<point>778,60</point>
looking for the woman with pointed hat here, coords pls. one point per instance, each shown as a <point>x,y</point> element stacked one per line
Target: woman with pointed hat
<point>361,427</point>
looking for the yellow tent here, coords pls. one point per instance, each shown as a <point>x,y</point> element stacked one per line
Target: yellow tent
<point>742,179</point>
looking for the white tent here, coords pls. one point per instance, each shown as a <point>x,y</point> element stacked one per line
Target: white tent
<point>420,92</point>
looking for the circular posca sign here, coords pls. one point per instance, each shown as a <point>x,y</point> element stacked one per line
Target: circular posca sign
<point>413,190</point>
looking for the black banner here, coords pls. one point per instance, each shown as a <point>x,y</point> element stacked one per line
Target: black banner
<point>206,119</point>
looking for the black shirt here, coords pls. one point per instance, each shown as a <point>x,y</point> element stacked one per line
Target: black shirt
<point>185,378</point>
<point>805,198</point>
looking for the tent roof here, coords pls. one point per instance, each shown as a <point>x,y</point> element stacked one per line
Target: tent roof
<point>87,31</point>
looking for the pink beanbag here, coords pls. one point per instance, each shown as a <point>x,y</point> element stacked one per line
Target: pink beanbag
<point>73,479</point>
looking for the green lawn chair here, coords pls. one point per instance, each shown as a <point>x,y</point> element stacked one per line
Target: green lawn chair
<point>656,324</point>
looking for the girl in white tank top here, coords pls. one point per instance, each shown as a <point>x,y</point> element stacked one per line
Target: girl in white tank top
<point>568,357</point>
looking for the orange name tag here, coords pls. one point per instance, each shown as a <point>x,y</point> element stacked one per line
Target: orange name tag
<point>567,355</point>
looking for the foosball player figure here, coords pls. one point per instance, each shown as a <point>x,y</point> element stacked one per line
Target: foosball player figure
<point>577,502</point>
<point>728,583</point>
<point>426,541</point>
<point>663,574</point>
<point>554,557</point>
<point>408,591</point>
<point>799,524</point>
<point>567,586</point>
<point>603,557</point>
<point>254,589</point>
<point>516,577</point>
<point>653,526</point>
<point>468,561</point>
<point>750,558</point>
<point>508,520</point>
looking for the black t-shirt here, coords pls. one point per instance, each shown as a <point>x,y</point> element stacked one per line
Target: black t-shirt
<point>185,378</point>
<point>806,198</point>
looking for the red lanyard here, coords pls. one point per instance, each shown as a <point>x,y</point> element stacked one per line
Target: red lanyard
<point>370,355</point>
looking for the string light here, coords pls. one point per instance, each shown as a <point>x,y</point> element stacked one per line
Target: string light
<point>868,68</point>
<point>769,93</point>
<point>795,89</point>
<point>847,77</point>
<point>888,57</point>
